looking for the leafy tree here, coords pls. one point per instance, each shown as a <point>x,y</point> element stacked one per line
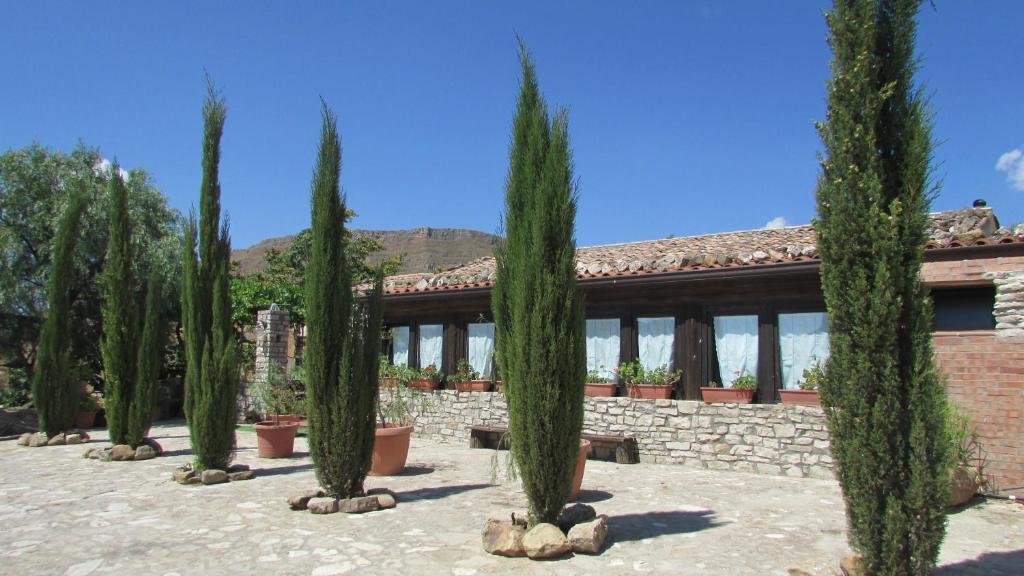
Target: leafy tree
<point>36,186</point>
<point>54,386</point>
<point>129,371</point>
<point>211,355</point>
<point>538,308</point>
<point>884,400</point>
<point>343,337</point>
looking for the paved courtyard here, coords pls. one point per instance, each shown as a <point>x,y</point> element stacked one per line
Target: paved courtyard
<point>62,514</point>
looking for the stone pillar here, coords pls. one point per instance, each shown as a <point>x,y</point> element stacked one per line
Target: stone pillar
<point>271,346</point>
<point>1009,307</point>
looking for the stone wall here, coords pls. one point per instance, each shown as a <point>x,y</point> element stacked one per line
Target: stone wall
<point>1009,307</point>
<point>765,438</point>
<point>272,331</point>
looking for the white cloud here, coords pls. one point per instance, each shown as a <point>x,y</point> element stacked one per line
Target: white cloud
<point>1013,164</point>
<point>103,167</point>
<point>777,222</point>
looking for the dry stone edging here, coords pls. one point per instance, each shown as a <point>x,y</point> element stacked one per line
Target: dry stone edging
<point>545,541</point>
<point>149,449</point>
<point>40,439</point>
<point>579,529</point>
<point>318,502</point>
<point>187,475</point>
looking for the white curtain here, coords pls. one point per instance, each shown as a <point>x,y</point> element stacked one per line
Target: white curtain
<point>655,337</point>
<point>400,345</point>
<point>736,344</point>
<point>603,346</point>
<point>481,348</point>
<point>803,341</point>
<point>431,337</point>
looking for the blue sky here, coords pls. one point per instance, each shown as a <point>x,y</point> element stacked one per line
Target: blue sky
<point>685,118</point>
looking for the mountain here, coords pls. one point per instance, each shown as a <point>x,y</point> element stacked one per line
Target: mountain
<point>421,249</point>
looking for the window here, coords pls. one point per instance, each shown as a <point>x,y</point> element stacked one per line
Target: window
<point>655,342</point>
<point>481,348</point>
<point>603,346</point>
<point>803,341</point>
<point>964,308</point>
<point>736,346</point>
<point>400,345</point>
<point>431,338</point>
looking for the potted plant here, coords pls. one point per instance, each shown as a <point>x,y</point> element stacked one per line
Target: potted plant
<point>597,385</point>
<point>396,412</point>
<point>741,392</point>
<point>466,379</point>
<point>963,444</point>
<point>648,384</point>
<point>275,437</point>
<point>387,373</point>
<point>807,392</point>
<point>89,404</point>
<point>427,378</point>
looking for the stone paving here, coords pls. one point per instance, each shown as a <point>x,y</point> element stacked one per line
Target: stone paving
<point>62,514</point>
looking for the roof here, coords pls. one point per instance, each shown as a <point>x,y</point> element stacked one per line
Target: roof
<point>950,229</point>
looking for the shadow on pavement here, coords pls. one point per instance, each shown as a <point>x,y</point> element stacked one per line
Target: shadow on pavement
<point>588,496</point>
<point>996,563</point>
<point>281,470</point>
<point>633,527</point>
<point>438,492</point>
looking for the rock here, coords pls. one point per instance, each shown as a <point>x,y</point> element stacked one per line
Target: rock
<point>238,468</point>
<point>322,505</point>
<point>213,476</point>
<point>145,452</point>
<point>89,452</point>
<point>73,439</point>
<point>154,445</point>
<point>183,473</point>
<point>851,564</point>
<point>58,439</point>
<point>241,475</point>
<point>36,440</point>
<point>102,454</point>
<point>962,487</point>
<point>122,452</point>
<point>24,438</point>
<point>503,538</point>
<point>359,505</point>
<point>386,501</point>
<point>545,541</point>
<point>574,514</point>
<point>589,537</point>
<point>299,502</point>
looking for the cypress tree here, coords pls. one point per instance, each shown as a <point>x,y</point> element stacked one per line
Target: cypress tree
<point>54,389</point>
<point>211,373</point>
<point>538,308</point>
<point>884,399</point>
<point>148,363</point>
<point>343,337</point>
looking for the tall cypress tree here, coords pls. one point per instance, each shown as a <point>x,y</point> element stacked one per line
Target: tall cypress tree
<point>211,374</point>
<point>884,399</point>
<point>343,337</point>
<point>54,388</point>
<point>147,363</point>
<point>538,308</point>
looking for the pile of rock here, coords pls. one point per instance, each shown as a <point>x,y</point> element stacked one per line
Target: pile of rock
<point>186,474</point>
<point>318,502</point>
<point>37,439</point>
<point>122,452</point>
<point>579,529</point>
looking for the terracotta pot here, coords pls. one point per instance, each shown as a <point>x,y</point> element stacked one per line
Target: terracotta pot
<point>649,391</point>
<point>85,419</point>
<point>390,450</point>
<point>423,384</point>
<point>800,397</point>
<point>599,389</point>
<point>388,382</point>
<point>473,386</point>
<point>581,464</point>
<point>282,418</point>
<point>275,441</point>
<point>727,395</point>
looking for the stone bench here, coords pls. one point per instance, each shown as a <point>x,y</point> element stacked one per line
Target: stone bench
<point>620,449</point>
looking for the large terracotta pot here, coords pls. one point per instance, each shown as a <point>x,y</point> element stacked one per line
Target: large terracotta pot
<point>600,389</point>
<point>275,441</point>
<point>423,384</point>
<point>286,418</point>
<point>85,419</point>
<point>800,397</point>
<point>727,395</point>
<point>390,450</point>
<point>473,386</point>
<point>581,464</point>
<point>649,391</point>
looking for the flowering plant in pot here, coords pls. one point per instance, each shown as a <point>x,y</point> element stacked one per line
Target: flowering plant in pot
<point>648,384</point>
<point>275,437</point>
<point>396,412</point>
<point>427,378</point>
<point>597,385</point>
<point>806,393</point>
<point>466,379</point>
<point>89,404</point>
<point>387,373</point>
<point>741,391</point>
